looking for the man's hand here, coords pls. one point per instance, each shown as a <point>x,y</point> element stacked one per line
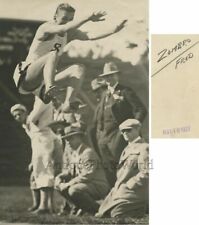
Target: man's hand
<point>64,186</point>
<point>120,26</point>
<point>97,16</point>
<point>58,180</point>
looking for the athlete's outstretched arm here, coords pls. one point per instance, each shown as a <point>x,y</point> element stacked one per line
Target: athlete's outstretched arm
<point>112,31</point>
<point>50,28</point>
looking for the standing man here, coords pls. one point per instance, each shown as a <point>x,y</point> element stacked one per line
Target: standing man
<point>46,150</point>
<point>99,88</point>
<point>19,112</point>
<point>38,74</point>
<point>116,105</point>
<point>129,196</point>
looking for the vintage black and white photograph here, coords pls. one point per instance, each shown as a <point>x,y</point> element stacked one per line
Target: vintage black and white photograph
<point>74,112</point>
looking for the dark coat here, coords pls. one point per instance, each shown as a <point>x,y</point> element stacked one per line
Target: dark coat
<point>128,107</point>
<point>125,104</point>
<point>131,187</point>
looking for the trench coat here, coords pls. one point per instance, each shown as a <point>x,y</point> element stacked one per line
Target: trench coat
<point>129,196</point>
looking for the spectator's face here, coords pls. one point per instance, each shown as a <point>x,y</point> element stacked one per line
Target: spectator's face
<point>111,79</point>
<point>60,131</point>
<point>20,116</point>
<point>64,16</point>
<point>131,134</point>
<point>73,141</point>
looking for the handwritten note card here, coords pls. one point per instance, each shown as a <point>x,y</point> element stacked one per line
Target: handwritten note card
<point>175,86</point>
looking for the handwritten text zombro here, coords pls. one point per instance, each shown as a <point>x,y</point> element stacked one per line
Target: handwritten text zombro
<point>182,58</point>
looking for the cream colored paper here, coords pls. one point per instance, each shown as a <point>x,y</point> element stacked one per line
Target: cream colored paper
<point>175,86</point>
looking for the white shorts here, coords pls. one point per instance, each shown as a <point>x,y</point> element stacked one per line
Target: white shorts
<point>73,75</point>
<point>19,75</point>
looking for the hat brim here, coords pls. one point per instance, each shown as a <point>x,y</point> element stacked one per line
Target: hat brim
<point>126,128</point>
<point>18,109</point>
<point>129,128</point>
<point>110,73</point>
<point>72,133</point>
<point>57,124</point>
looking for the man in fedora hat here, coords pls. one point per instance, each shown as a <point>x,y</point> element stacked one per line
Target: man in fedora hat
<point>117,104</point>
<point>129,196</point>
<point>83,180</point>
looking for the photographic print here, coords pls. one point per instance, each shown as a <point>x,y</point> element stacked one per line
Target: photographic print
<point>174,86</point>
<point>74,113</point>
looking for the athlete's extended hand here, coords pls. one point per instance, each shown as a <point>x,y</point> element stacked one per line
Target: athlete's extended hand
<point>120,26</point>
<point>98,16</point>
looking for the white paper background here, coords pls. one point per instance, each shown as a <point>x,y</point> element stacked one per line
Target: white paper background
<point>174,181</point>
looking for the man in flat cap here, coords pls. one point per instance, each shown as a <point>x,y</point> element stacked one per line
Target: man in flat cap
<point>83,180</point>
<point>117,104</point>
<point>129,196</point>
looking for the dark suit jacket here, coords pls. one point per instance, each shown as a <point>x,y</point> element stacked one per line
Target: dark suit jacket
<point>128,105</point>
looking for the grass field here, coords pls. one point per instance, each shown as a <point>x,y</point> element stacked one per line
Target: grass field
<point>14,202</point>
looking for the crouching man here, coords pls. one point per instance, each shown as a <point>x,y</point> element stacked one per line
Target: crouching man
<point>129,196</point>
<point>83,180</point>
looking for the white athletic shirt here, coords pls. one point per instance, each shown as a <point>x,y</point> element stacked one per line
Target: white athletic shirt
<point>39,48</point>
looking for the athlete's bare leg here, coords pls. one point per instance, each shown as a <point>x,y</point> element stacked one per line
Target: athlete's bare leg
<point>71,79</point>
<point>43,69</point>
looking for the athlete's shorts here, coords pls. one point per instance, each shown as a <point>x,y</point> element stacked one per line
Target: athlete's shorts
<point>74,78</point>
<point>20,74</point>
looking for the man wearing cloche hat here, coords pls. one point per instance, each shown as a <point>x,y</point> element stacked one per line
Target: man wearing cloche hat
<point>129,196</point>
<point>83,180</point>
<point>117,104</point>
